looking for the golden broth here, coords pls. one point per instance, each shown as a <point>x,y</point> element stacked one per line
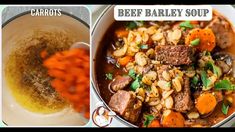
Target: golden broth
<point>26,77</point>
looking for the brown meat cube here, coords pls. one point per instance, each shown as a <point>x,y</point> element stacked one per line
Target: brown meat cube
<point>123,103</point>
<point>120,82</point>
<point>223,32</point>
<point>183,101</point>
<point>174,55</point>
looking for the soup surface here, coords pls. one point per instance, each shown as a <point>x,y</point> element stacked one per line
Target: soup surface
<point>168,73</point>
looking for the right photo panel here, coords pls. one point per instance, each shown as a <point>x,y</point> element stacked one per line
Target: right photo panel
<point>162,66</point>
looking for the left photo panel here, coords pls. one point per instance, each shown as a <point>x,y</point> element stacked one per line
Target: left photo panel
<point>45,66</point>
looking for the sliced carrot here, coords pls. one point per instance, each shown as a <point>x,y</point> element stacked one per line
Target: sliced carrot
<point>59,84</point>
<point>121,32</point>
<point>154,123</point>
<point>173,119</point>
<point>70,70</point>
<point>56,73</point>
<point>43,54</point>
<point>124,60</point>
<point>206,103</point>
<point>71,53</point>
<point>206,37</point>
<point>50,62</point>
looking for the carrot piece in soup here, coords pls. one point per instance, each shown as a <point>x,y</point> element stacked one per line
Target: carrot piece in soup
<point>173,119</point>
<point>206,103</point>
<point>206,39</point>
<point>122,32</point>
<point>124,60</point>
<point>154,123</point>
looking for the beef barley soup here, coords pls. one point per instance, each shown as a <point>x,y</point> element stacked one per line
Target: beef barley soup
<point>168,73</point>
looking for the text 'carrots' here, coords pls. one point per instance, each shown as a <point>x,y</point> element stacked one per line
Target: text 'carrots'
<point>70,70</point>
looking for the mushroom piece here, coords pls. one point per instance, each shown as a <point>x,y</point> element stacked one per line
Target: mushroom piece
<point>224,61</point>
<point>120,52</point>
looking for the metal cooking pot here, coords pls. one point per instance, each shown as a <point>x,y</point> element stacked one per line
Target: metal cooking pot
<point>100,27</point>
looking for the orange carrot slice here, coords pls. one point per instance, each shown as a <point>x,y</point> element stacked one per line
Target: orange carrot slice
<point>173,119</point>
<point>121,32</point>
<point>124,60</point>
<point>206,37</point>
<point>205,103</point>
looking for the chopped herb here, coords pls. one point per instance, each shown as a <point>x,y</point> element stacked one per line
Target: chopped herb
<point>137,83</point>
<point>195,80</point>
<point>193,65</point>
<point>168,84</point>
<point>144,85</point>
<point>134,24</point>
<point>139,76</point>
<point>225,109</point>
<point>131,73</point>
<point>131,25</point>
<point>109,76</point>
<point>139,23</point>
<point>206,53</point>
<point>216,69</point>
<point>186,24</point>
<point>144,46</point>
<point>148,120</point>
<point>205,80</point>
<point>224,85</point>
<point>195,42</point>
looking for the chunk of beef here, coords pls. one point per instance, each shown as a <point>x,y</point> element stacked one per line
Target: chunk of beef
<point>174,55</point>
<point>183,101</point>
<point>223,32</point>
<point>120,82</point>
<point>160,71</point>
<point>125,104</point>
